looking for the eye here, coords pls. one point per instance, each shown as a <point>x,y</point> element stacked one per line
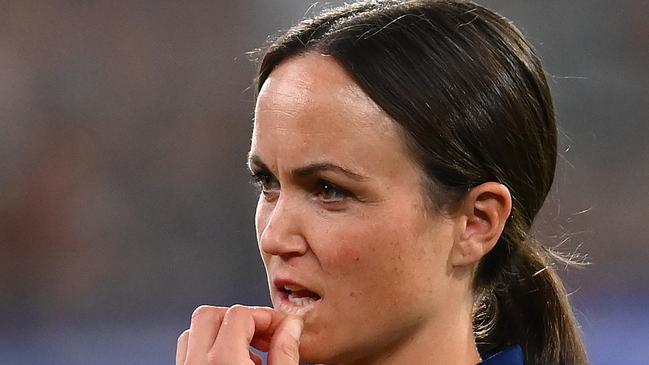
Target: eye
<point>266,184</point>
<point>330,193</point>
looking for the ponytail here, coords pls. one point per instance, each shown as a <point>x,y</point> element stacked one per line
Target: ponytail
<point>521,300</point>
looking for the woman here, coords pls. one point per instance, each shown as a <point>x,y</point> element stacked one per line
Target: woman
<point>402,150</point>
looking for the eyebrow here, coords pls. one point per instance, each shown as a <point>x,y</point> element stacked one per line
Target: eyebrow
<point>310,169</point>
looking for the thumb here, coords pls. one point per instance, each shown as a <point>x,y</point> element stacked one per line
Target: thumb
<point>285,344</point>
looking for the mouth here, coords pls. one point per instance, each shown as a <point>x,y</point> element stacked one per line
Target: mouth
<point>293,298</point>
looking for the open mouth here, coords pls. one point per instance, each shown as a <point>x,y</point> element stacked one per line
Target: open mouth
<point>299,296</point>
<point>295,299</point>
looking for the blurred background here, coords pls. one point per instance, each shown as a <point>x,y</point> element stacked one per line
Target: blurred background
<point>125,203</point>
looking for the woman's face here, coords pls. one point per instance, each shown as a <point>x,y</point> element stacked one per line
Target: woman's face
<point>342,223</point>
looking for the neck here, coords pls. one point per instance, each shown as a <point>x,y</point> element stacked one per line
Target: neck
<point>449,342</point>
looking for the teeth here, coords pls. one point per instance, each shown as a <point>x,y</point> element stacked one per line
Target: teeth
<point>296,305</point>
<point>300,301</point>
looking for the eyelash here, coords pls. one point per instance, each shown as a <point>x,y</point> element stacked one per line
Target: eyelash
<point>260,180</point>
<point>264,183</point>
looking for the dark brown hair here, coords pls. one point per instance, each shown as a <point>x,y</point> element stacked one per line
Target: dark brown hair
<point>471,96</point>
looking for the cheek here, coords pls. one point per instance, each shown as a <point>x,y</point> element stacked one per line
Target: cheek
<point>373,255</point>
<point>363,249</point>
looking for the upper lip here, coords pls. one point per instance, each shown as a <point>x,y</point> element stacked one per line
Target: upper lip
<point>281,281</point>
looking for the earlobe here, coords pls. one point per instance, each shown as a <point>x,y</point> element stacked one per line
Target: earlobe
<point>484,212</point>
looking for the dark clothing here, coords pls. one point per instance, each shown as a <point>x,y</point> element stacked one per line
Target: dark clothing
<point>512,355</point>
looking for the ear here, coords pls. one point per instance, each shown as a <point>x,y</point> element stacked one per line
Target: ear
<point>483,212</point>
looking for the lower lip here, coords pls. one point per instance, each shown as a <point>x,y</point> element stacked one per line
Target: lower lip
<point>286,305</point>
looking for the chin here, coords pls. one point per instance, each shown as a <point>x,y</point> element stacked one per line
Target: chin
<point>312,351</point>
<point>317,348</point>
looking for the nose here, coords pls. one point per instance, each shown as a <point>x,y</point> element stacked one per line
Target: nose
<point>282,233</point>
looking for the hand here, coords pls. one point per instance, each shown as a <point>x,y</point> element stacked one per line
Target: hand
<point>223,336</point>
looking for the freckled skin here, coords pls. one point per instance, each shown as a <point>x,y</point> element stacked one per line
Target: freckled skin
<point>380,263</point>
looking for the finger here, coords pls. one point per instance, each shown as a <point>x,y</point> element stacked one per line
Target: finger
<point>181,347</point>
<point>285,345</point>
<point>205,324</point>
<point>261,339</point>
<point>239,325</point>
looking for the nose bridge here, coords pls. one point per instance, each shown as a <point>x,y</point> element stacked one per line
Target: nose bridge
<point>283,234</point>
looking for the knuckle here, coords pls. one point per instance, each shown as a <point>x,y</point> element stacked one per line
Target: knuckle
<point>213,358</point>
<point>237,310</point>
<point>184,334</point>
<point>203,310</point>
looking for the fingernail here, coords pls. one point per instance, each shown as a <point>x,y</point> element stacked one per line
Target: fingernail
<point>294,327</point>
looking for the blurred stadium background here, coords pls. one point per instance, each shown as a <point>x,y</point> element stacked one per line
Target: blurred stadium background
<point>124,201</point>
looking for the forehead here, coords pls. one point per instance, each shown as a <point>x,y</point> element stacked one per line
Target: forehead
<point>311,107</point>
<point>312,84</point>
